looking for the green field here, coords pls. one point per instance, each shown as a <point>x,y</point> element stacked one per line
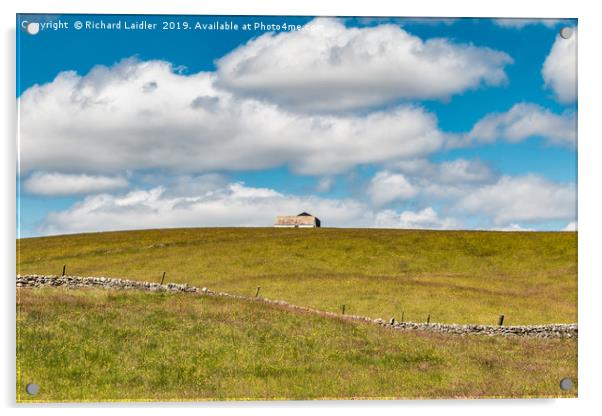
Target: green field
<point>96,345</point>
<point>455,276</point>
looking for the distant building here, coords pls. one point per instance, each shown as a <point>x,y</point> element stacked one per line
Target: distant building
<point>303,220</point>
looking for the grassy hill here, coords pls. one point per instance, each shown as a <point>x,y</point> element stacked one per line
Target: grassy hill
<point>455,276</point>
<point>95,345</point>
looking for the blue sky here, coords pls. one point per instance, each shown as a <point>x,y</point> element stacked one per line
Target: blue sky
<point>371,122</point>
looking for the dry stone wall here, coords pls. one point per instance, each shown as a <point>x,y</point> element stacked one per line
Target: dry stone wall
<point>74,282</point>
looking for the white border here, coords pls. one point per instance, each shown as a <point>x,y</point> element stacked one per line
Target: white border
<point>590,276</point>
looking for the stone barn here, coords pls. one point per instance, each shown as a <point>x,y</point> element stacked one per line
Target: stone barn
<point>303,220</point>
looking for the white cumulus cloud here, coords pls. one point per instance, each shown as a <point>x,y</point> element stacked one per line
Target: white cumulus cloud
<point>519,23</point>
<point>444,181</point>
<point>423,219</point>
<point>525,120</point>
<point>330,67</point>
<point>232,205</point>
<point>60,184</point>
<point>386,187</point>
<point>529,198</point>
<point>560,69</point>
<point>457,171</point>
<point>514,227</point>
<point>108,121</point>
<point>571,226</point>
<point>325,184</point>
<point>510,201</point>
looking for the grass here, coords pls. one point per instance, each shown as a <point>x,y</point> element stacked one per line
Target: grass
<point>455,276</point>
<point>96,345</point>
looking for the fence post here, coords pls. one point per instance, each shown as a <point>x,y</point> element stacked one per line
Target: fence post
<point>163,278</point>
<point>64,267</point>
<point>343,308</point>
<point>402,313</point>
<point>500,320</point>
<point>258,289</point>
<point>428,319</point>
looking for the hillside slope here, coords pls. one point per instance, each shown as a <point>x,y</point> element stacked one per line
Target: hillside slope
<point>96,345</point>
<point>455,276</point>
